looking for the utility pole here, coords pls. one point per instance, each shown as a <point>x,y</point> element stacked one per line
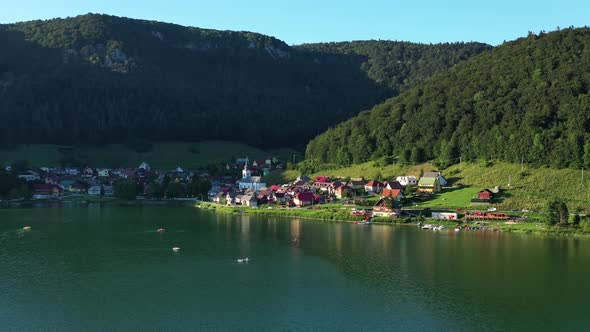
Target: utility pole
<point>521,164</point>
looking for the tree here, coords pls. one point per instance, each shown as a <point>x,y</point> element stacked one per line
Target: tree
<point>155,190</point>
<point>563,213</point>
<point>577,219</point>
<point>343,157</point>
<point>174,190</point>
<point>126,189</point>
<point>552,213</point>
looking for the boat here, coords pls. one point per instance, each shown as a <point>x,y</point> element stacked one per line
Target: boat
<point>244,260</point>
<point>175,248</point>
<point>427,226</point>
<point>27,228</point>
<point>457,229</point>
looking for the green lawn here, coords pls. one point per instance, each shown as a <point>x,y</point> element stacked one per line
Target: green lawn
<point>452,198</point>
<point>165,155</point>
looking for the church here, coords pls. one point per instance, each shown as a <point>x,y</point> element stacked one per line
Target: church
<point>250,182</point>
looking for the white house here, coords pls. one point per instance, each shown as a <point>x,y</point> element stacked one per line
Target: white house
<point>29,176</point>
<point>145,166</point>
<point>248,200</point>
<point>407,180</point>
<point>103,172</point>
<point>94,190</point>
<point>438,175</point>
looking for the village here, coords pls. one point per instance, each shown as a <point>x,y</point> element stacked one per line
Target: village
<point>241,184</point>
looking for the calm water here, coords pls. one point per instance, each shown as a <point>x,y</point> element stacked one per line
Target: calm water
<point>97,268</point>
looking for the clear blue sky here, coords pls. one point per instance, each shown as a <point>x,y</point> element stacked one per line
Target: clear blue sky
<point>299,21</point>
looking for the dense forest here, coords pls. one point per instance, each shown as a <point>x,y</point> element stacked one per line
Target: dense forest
<point>97,79</point>
<point>526,100</point>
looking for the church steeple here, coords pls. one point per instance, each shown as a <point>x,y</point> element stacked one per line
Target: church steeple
<point>246,172</point>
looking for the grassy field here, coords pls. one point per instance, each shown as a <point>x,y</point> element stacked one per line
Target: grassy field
<point>164,155</point>
<point>452,198</point>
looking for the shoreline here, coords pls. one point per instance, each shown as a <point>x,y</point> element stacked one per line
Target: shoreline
<point>530,228</point>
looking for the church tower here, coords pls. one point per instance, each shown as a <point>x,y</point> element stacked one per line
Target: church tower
<point>246,172</point>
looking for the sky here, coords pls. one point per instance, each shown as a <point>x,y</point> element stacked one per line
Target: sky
<point>305,21</point>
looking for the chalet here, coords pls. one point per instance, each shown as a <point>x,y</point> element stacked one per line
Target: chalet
<point>145,166</point>
<point>393,185</point>
<point>44,189</point>
<point>250,201</point>
<point>383,208</point>
<point>279,198</point>
<point>438,175</point>
<point>374,186</point>
<point>407,180</point>
<point>322,183</point>
<point>429,185</point>
<point>485,195</point>
<point>303,199</point>
<point>29,176</point>
<point>333,186</point>
<point>395,194</point>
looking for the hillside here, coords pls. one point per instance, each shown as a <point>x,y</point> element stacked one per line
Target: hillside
<point>531,187</point>
<point>102,79</point>
<point>526,100</point>
<point>163,155</point>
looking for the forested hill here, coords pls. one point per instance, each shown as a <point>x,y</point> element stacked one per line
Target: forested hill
<point>396,64</point>
<point>99,79</point>
<point>527,99</point>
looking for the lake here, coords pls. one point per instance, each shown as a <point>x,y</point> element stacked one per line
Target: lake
<point>106,268</point>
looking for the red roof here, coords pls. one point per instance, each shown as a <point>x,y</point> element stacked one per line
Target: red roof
<point>391,192</point>
<point>274,187</point>
<point>46,187</point>
<point>374,183</point>
<point>306,197</point>
<point>322,179</point>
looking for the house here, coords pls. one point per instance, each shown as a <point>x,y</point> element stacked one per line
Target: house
<point>103,172</point>
<point>357,184</point>
<point>303,199</point>
<point>407,180</point>
<point>29,176</point>
<point>73,186</point>
<point>219,197</point>
<point>230,198</point>
<point>429,185</point>
<point>393,185</point>
<point>72,171</point>
<point>322,183</point>
<point>438,175</point>
<point>145,166</point>
<point>373,186</point>
<point>248,200</point>
<point>88,172</point>
<point>396,194</point>
<point>383,208</point>
<point>44,189</point>
<point>279,198</point>
<point>274,187</point>
<point>95,190</point>
<point>342,191</point>
<point>108,190</point>
<point>485,195</point>
<point>262,197</point>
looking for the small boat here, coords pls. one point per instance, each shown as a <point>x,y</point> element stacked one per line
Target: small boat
<point>27,228</point>
<point>457,229</point>
<point>175,248</point>
<point>161,230</point>
<point>427,226</point>
<point>244,260</point>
